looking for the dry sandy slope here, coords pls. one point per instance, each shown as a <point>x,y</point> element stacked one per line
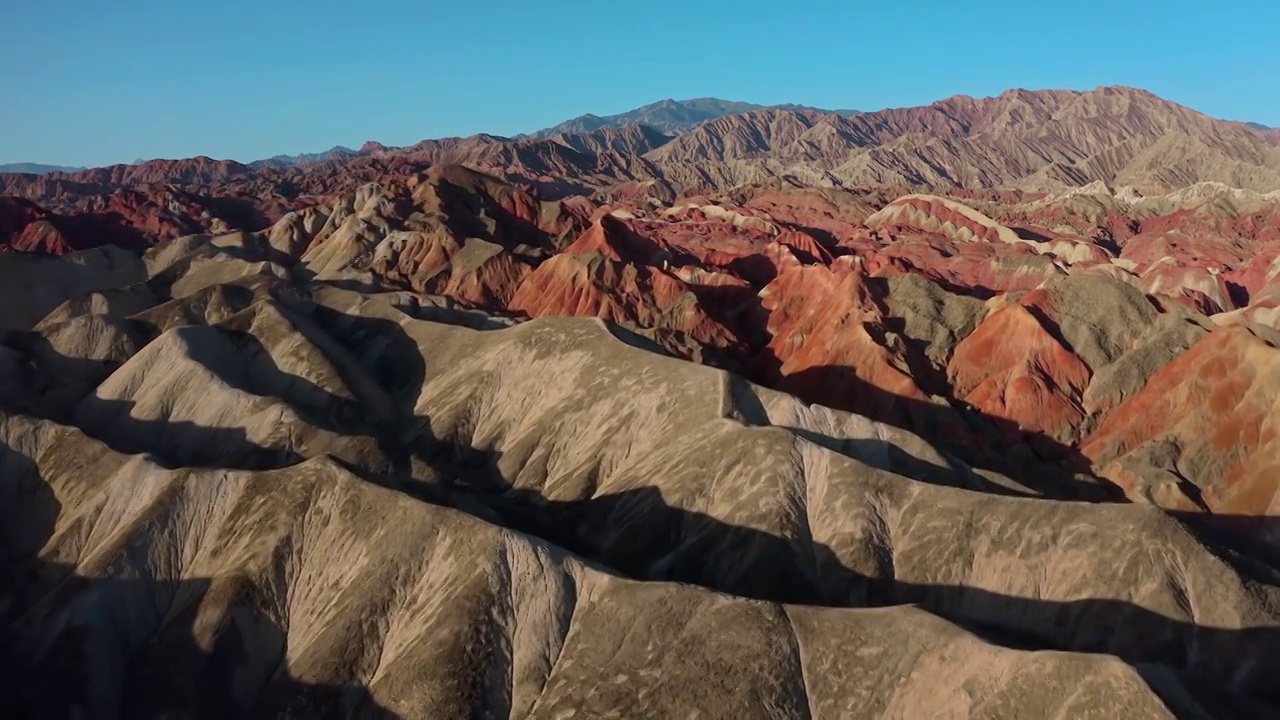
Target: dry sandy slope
<point>295,587</point>
<point>362,506</point>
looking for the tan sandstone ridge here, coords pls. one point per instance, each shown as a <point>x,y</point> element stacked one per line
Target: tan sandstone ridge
<point>266,493</point>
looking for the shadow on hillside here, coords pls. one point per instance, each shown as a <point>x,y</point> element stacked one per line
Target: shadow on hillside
<point>737,308</point>
<point>977,291</point>
<point>241,212</point>
<point>88,230</point>
<point>119,647</point>
<point>471,211</point>
<point>1034,461</point>
<point>638,534</point>
<point>825,238</point>
<point>877,453</point>
<point>169,443</point>
<point>32,286</point>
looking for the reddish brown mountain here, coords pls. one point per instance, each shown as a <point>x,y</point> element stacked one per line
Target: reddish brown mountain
<point>1038,141</point>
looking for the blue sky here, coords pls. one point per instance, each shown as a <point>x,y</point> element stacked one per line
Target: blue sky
<point>94,82</point>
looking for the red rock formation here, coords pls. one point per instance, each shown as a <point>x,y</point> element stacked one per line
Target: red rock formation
<point>1259,271</point>
<point>932,214</point>
<point>837,214</point>
<point>1013,367</point>
<point>486,206</point>
<point>15,215</point>
<point>983,267</point>
<point>591,285</point>
<point>1203,431</point>
<point>1201,288</point>
<point>190,171</point>
<point>1205,250</point>
<point>26,227</point>
<point>805,247</point>
<point>475,271</point>
<point>829,341</point>
<point>612,238</point>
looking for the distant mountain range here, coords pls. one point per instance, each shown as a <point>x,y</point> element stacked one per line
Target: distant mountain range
<point>665,120</point>
<point>665,117</point>
<point>36,168</point>
<point>1044,140</point>
<point>670,117</point>
<point>334,153</point>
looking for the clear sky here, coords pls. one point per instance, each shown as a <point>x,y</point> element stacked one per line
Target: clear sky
<point>93,82</point>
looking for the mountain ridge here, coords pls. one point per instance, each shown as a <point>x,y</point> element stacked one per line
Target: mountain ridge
<point>1041,139</point>
<point>668,116</point>
<point>1046,141</point>
<point>1112,134</point>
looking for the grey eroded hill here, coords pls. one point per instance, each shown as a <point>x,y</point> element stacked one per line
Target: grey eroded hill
<point>229,489</point>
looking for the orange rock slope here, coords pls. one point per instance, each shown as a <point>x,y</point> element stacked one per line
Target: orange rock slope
<point>1204,431</point>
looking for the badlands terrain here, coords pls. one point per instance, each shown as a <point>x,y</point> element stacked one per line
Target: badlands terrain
<point>701,411</point>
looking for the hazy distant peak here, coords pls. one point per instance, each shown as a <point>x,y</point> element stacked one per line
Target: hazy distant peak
<point>337,151</point>
<point>36,168</point>
<point>669,116</point>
